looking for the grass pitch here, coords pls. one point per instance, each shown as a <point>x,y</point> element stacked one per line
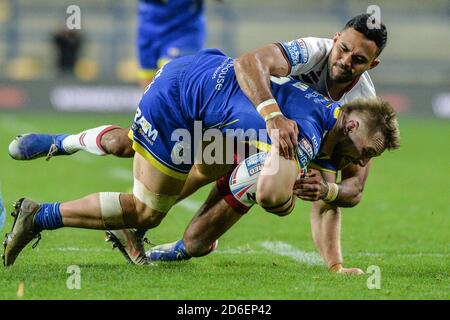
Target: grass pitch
<point>402,226</point>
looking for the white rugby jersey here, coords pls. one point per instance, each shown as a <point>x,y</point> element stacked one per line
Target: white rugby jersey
<point>308,59</point>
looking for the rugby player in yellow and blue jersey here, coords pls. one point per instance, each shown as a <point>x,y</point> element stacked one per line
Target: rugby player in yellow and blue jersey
<point>203,90</point>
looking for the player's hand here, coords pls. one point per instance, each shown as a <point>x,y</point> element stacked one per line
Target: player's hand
<point>287,135</point>
<point>311,186</point>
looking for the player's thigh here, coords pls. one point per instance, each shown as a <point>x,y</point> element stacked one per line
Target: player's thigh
<point>154,180</point>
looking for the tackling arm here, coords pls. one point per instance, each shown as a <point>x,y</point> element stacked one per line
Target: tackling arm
<point>326,232</point>
<point>313,187</point>
<point>253,71</point>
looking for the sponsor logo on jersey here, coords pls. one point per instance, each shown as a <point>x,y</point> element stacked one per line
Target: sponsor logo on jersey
<point>304,51</point>
<point>315,144</point>
<point>145,127</point>
<point>302,157</point>
<point>297,51</point>
<point>293,50</point>
<point>221,72</point>
<point>307,147</point>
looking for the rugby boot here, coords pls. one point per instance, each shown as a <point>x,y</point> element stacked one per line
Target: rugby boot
<point>22,231</point>
<point>130,244</point>
<point>30,146</point>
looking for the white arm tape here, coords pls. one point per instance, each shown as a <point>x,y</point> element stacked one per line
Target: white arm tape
<point>111,210</point>
<point>264,104</point>
<point>158,202</point>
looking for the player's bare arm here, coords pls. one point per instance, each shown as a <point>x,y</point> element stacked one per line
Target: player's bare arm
<point>315,185</point>
<point>253,71</point>
<point>325,220</point>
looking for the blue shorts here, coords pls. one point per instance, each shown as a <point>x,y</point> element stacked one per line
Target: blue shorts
<point>158,115</point>
<point>165,31</point>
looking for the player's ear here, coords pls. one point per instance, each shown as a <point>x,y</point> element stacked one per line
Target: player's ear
<point>351,126</point>
<point>374,63</point>
<point>336,36</point>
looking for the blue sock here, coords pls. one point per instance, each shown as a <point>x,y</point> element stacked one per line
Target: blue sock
<point>169,252</point>
<point>48,217</point>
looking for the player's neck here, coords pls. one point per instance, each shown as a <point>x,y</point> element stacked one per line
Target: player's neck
<point>337,90</point>
<point>333,137</point>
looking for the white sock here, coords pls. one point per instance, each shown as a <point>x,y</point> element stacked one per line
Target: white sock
<point>88,140</point>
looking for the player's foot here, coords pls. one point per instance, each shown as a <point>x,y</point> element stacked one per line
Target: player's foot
<point>174,251</point>
<point>130,245</point>
<point>32,145</point>
<point>22,231</point>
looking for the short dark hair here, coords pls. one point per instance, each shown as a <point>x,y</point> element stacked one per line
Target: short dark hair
<point>361,24</point>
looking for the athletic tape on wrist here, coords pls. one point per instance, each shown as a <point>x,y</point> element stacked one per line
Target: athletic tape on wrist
<point>272,115</point>
<point>264,104</point>
<point>333,191</point>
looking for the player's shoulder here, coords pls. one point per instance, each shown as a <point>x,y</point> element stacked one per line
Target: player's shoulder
<point>309,45</point>
<point>324,44</point>
<point>366,86</point>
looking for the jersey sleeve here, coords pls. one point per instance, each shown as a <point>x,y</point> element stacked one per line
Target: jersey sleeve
<point>325,165</point>
<point>305,53</point>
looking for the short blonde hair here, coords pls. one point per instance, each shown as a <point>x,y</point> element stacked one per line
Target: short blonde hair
<point>381,117</point>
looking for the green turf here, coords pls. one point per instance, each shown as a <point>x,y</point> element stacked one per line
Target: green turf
<point>402,225</point>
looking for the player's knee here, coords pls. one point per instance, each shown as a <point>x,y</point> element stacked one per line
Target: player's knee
<point>196,247</point>
<point>116,142</point>
<point>151,207</point>
<point>268,199</point>
<point>148,217</point>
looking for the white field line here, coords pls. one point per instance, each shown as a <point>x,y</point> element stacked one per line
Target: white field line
<point>285,249</point>
<point>282,248</point>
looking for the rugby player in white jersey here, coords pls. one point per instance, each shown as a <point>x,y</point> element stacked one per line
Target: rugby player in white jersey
<point>335,67</point>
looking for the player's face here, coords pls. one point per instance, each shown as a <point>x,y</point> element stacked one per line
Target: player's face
<point>358,146</point>
<point>351,55</point>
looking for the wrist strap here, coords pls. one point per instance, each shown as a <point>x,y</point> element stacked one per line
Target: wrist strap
<point>264,104</point>
<point>333,191</point>
<point>272,115</point>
